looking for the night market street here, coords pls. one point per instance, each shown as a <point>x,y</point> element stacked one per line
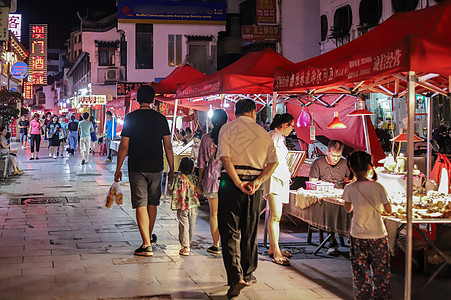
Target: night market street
<point>78,249</point>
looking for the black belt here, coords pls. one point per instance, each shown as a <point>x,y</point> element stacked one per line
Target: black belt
<point>247,168</point>
<point>243,177</point>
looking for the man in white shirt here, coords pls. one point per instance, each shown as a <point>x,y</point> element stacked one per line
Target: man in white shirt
<point>248,155</point>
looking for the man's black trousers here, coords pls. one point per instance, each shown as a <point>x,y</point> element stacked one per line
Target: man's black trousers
<point>238,215</point>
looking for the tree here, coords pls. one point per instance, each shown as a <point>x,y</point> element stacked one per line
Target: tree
<point>8,105</point>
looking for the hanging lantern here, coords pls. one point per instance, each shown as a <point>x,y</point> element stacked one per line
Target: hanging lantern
<point>360,109</point>
<point>336,123</point>
<point>403,138</point>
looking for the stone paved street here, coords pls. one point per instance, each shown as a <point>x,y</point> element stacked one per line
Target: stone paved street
<point>78,249</point>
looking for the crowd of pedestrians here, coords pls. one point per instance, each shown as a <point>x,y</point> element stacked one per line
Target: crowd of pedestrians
<point>239,163</point>
<point>65,134</point>
<point>235,166</point>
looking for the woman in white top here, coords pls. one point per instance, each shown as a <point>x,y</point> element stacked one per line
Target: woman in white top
<point>278,188</point>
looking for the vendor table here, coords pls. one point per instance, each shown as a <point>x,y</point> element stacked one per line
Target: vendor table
<point>402,223</point>
<point>327,214</point>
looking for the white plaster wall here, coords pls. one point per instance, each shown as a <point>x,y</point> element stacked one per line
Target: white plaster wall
<point>161,32</point>
<point>301,29</point>
<point>88,45</point>
<point>49,97</point>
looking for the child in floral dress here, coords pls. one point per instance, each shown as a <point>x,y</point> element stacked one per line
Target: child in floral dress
<point>370,258</point>
<point>185,200</point>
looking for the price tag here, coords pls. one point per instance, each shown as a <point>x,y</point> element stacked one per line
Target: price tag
<point>312,133</point>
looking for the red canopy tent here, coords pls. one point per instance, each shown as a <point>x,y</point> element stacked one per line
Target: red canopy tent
<point>166,89</point>
<point>252,76</point>
<point>181,74</point>
<point>409,53</point>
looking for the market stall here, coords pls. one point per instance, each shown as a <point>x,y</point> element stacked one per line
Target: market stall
<point>249,77</point>
<point>407,54</point>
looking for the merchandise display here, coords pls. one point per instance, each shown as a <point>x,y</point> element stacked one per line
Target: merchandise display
<point>432,204</point>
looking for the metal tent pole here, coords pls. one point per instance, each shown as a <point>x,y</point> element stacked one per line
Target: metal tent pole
<point>367,137</point>
<point>274,104</point>
<point>428,136</point>
<point>172,140</point>
<point>411,78</point>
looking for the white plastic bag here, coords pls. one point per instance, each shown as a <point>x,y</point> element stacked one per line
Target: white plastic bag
<point>114,195</point>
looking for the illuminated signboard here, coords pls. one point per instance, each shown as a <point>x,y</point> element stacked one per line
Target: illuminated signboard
<point>19,70</point>
<point>266,11</point>
<point>90,100</point>
<point>15,25</point>
<point>162,11</point>
<point>38,54</point>
<point>28,90</point>
<point>260,33</point>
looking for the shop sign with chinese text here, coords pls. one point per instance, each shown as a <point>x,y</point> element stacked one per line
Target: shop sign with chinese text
<point>38,54</point>
<point>28,91</point>
<point>15,25</point>
<point>124,88</point>
<point>90,100</point>
<point>260,33</point>
<point>4,15</point>
<point>266,11</point>
<point>178,12</point>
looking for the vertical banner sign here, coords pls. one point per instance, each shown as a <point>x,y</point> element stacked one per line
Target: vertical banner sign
<point>28,91</point>
<point>266,11</point>
<point>15,25</point>
<point>38,54</point>
<point>4,15</point>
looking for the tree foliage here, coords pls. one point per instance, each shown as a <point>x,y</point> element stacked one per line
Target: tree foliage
<point>8,105</point>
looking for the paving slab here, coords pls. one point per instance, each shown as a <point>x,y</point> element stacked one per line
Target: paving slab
<point>78,249</point>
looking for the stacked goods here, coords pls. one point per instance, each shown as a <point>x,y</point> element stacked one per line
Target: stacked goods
<point>432,205</point>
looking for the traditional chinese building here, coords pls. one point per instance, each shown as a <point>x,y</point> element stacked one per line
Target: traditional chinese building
<point>11,52</point>
<point>97,67</point>
<point>161,35</point>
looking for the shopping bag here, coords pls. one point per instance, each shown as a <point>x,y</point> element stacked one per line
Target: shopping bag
<point>303,119</point>
<point>114,195</point>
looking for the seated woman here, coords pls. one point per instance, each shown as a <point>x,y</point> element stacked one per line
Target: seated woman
<point>10,154</point>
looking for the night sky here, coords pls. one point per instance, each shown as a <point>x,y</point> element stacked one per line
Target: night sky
<point>61,15</point>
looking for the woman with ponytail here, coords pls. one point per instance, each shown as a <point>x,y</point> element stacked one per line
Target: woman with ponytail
<point>209,172</point>
<point>369,247</point>
<point>278,187</point>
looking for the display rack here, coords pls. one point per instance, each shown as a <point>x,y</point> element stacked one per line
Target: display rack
<point>294,161</point>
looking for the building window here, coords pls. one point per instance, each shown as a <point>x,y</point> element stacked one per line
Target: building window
<point>171,56</point>
<point>198,56</point>
<point>106,57</point>
<point>404,5</point>
<point>174,50</point>
<point>178,50</point>
<point>324,28</point>
<point>144,46</point>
